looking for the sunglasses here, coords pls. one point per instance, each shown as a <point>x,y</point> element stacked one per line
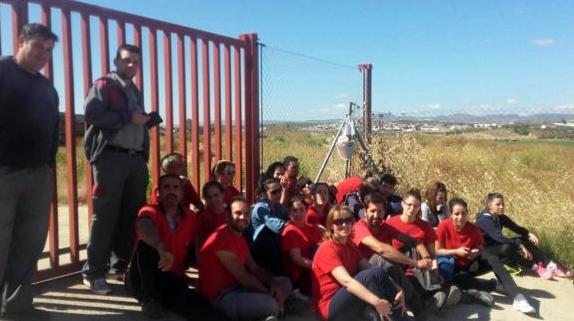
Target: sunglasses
<point>275,191</point>
<point>229,172</point>
<point>344,220</point>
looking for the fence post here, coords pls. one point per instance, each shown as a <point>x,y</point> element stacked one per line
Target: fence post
<point>367,111</point>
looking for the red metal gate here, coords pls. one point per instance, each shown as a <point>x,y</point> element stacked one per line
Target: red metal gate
<point>227,102</point>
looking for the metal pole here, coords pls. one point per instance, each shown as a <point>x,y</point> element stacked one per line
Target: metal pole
<point>367,110</point>
<point>331,148</point>
<point>367,153</point>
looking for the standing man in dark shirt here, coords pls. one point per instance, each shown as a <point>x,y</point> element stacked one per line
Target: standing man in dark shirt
<point>29,120</point>
<point>117,146</point>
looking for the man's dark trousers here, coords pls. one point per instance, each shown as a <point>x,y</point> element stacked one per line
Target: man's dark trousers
<point>120,184</point>
<point>25,195</point>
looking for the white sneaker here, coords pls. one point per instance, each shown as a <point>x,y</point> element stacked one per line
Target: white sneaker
<point>522,305</point>
<point>98,286</point>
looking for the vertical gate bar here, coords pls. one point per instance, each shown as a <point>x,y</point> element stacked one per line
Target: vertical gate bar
<point>228,120</point>
<point>194,115</point>
<point>19,18</point>
<point>121,32</point>
<point>206,110</point>
<point>247,78</point>
<point>87,73</point>
<point>154,143</point>
<point>182,146</point>
<point>104,46</point>
<point>256,162</point>
<point>168,92</point>
<point>217,98</point>
<point>54,241</point>
<point>70,136</point>
<point>238,159</point>
<point>137,32</point>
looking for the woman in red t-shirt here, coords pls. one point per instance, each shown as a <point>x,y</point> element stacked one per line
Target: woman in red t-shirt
<point>462,240</point>
<point>224,172</point>
<point>345,286</point>
<point>215,213</point>
<point>317,213</point>
<point>299,242</point>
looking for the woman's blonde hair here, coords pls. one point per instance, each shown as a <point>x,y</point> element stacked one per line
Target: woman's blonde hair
<point>335,212</point>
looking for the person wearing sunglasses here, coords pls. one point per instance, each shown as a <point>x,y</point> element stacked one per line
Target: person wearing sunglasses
<point>224,172</point>
<point>345,286</point>
<point>268,219</point>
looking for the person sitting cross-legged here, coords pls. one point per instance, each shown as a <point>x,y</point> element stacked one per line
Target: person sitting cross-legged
<point>229,277</point>
<point>166,232</point>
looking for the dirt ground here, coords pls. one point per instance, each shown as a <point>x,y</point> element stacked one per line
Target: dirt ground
<point>68,300</point>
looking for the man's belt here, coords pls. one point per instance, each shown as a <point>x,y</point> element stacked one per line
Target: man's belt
<point>129,151</point>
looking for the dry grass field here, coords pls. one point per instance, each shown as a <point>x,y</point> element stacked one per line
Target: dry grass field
<point>536,176</point>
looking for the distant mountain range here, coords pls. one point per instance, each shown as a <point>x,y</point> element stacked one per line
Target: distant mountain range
<point>451,118</point>
<point>491,118</point>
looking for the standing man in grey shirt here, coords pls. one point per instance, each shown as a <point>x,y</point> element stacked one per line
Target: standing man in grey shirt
<point>117,146</point>
<point>29,120</point>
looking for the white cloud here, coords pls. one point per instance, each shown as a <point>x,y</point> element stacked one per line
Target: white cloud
<point>512,101</point>
<point>567,108</point>
<point>338,109</point>
<point>543,42</point>
<point>434,106</point>
<point>342,96</point>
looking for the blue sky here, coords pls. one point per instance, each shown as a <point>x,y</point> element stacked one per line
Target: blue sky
<point>429,57</point>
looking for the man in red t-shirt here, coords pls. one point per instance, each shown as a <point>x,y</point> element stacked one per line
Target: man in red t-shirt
<point>229,277</point>
<point>373,237</point>
<point>174,164</point>
<point>166,232</point>
<point>290,179</point>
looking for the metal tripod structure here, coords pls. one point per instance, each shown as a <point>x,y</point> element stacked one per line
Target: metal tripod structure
<point>351,136</point>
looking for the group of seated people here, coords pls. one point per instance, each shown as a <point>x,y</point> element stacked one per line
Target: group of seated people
<point>356,251</point>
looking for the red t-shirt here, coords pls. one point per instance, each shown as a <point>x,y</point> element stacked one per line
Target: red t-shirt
<point>361,230</point>
<point>314,217</point>
<point>190,196</point>
<point>230,192</point>
<point>420,230</point>
<point>451,238</point>
<point>329,256</point>
<point>346,186</point>
<point>209,221</point>
<point>177,242</point>
<point>213,276</point>
<point>294,237</point>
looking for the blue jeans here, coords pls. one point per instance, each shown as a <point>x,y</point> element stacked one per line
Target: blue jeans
<point>346,306</point>
<point>25,196</point>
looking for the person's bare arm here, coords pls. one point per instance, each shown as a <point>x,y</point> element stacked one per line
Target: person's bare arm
<point>388,252</point>
<point>298,259</point>
<point>149,235</point>
<point>239,272</point>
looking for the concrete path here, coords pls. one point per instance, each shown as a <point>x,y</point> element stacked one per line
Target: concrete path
<point>69,300</point>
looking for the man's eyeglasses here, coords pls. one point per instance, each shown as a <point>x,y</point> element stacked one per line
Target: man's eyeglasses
<point>229,172</point>
<point>344,220</point>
